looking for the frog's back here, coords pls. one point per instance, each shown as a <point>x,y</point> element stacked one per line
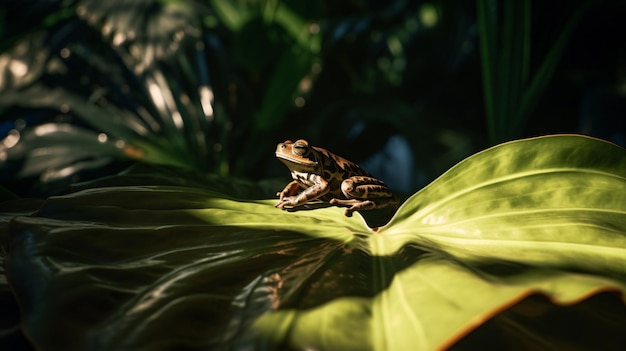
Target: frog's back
<point>338,167</point>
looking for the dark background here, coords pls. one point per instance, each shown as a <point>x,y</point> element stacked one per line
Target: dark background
<point>394,85</point>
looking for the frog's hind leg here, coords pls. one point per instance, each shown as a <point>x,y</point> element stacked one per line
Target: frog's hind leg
<point>364,193</point>
<point>354,205</point>
<point>364,187</point>
<point>364,205</point>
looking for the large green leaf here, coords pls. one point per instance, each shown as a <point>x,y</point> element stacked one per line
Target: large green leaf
<point>557,200</point>
<point>176,266</point>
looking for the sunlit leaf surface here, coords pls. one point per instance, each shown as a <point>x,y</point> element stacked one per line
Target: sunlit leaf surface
<point>182,266</point>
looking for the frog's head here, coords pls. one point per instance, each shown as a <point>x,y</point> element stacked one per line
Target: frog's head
<point>298,154</point>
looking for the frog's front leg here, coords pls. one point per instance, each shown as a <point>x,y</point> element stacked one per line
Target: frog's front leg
<point>290,189</point>
<point>364,193</point>
<point>318,189</point>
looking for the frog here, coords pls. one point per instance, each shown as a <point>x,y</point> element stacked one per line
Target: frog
<point>320,175</point>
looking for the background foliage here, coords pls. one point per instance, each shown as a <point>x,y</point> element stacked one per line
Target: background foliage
<point>214,85</point>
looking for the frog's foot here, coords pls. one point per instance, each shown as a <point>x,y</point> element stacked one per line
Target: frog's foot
<point>286,202</point>
<point>354,205</point>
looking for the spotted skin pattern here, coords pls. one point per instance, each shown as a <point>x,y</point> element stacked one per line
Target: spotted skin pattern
<point>321,175</point>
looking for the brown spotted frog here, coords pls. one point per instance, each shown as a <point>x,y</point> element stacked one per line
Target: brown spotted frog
<point>321,175</point>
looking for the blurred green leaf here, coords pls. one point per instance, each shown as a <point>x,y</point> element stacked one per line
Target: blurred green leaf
<point>258,44</point>
<point>281,89</point>
<point>510,93</point>
<point>545,72</point>
<point>299,29</point>
<point>54,150</point>
<point>56,17</point>
<point>233,17</point>
<point>277,39</point>
<point>183,266</point>
<point>122,96</point>
<point>6,194</point>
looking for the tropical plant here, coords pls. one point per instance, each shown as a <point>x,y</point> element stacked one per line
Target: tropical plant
<point>129,81</point>
<point>180,264</point>
<point>210,86</point>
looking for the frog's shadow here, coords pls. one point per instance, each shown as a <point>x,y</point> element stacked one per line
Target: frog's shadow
<point>374,218</point>
<point>309,206</point>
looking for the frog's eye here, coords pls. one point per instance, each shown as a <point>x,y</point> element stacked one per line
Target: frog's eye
<point>300,148</point>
